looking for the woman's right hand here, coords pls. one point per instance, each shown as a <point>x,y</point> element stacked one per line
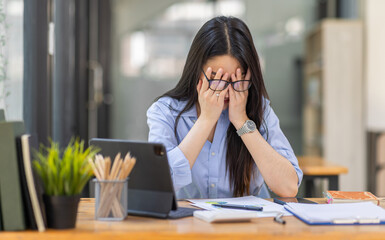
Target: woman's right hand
<point>210,104</point>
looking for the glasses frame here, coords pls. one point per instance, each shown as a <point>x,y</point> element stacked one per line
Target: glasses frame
<point>227,83</point>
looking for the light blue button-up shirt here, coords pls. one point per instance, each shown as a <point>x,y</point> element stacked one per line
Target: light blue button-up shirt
<point>208,177</point>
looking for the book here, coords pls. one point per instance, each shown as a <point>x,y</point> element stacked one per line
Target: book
<point>359,213</point>
<point>348,197</point>
<point>28,212</point>
<point>32,191</point>
<point>12,208</point>
<point>2,115</point>
<point>1,221</point>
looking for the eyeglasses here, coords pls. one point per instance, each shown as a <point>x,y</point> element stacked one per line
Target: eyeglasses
<point>219,85</point>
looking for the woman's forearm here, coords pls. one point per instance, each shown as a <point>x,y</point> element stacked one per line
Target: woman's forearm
<point>195,139</point>
<point>277,171</point>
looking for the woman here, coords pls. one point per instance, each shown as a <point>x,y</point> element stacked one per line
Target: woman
<point>222,137</point>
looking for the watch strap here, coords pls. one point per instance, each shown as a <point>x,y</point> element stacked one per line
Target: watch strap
<point>245,129</point>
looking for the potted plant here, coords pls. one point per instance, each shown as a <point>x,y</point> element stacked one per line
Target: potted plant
<point>64,175</point>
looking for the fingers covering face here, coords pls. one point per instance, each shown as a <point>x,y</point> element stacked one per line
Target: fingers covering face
<point>213,82</point>
<point>205,82</point>
<point>199,86</point>
<point>239,74</point>
<point>248,74</point>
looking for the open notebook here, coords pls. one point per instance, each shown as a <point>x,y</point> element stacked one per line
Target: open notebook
<point>344,213</point>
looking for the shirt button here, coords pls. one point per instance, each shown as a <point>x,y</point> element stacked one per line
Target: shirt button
<point>212,185</point>
<point>213,154</point>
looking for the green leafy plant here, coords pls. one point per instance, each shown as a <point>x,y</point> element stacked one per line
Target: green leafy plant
<point>64,174</point>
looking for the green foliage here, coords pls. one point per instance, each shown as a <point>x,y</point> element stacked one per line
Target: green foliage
<point>64,173</point>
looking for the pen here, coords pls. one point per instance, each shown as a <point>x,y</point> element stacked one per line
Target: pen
<point>279,201</point>
<point>244,207</point>
<point>279,219</point>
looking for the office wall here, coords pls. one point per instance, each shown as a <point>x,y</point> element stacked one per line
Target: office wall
<point>130,115</point>
<point>270,23</point>
<point>375,62</point>
<point>132,95</point>
<point>279,28</point>
<point>159,34</point>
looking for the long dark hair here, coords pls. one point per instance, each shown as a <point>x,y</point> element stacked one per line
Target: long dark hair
<point>226,36</point>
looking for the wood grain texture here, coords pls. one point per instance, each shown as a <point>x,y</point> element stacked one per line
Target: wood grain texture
<point>314,165</point>
<point>190,228</point>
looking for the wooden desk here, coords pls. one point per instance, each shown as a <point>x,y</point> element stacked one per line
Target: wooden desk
<point>190,228</point>
<point>317,167</point>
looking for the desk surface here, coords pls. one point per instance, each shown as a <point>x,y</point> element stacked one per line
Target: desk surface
<point>190,228</point>
<point>313,165</point>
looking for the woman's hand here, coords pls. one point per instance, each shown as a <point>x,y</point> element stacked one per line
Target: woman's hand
<point>211,105</point>
<point>237,101</point>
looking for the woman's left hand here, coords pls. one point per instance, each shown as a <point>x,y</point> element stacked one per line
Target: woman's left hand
<point>237,101</point>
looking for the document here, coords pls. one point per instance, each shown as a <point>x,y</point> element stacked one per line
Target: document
<point>270,209</point>
<point>341,213</point>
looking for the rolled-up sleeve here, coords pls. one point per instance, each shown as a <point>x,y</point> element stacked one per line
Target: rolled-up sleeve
<point>161,129</point>
<point>275,137</point>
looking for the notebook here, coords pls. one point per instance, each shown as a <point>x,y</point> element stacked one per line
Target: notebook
<point>12,205</point>
<point>339,214</point>
<point>32,188</point>
<point>346,197</point>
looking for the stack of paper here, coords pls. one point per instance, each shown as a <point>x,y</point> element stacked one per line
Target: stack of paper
<point>270,209</point>
<point>344,213</point>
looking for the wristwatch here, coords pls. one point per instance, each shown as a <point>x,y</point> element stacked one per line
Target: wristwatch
<point>249,126</point>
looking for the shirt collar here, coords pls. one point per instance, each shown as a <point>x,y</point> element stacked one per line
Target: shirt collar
<point>192,112</point>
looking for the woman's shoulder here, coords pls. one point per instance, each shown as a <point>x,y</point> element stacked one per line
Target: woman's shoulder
<point>265,102</point>
<point>169,104</point>
<point>266,108</point>
<point>167,101</point>
<point>268,112</point>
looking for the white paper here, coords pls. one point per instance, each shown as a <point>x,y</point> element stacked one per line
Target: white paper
<point>270,209</point>
<point>328,213</point>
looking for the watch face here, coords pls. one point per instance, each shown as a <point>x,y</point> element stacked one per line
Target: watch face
<point>251,125</point>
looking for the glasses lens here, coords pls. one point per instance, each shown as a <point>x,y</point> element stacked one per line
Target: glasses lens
<point>217,85</point>
<point>242,85</point>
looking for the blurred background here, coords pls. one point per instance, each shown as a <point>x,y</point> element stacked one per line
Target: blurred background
<point>91,68</point>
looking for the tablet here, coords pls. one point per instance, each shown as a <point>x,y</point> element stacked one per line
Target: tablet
<point>150,187</point>
<point>284,200</point>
